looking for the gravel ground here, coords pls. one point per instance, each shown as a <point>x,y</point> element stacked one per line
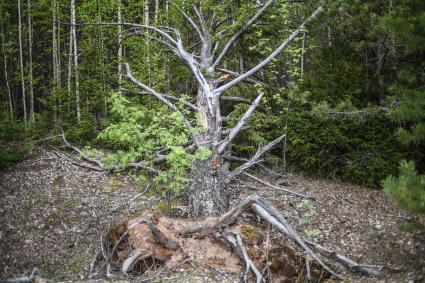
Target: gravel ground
<point>53,214</point>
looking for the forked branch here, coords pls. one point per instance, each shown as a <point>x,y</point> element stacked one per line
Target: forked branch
<point>276,52</point>
<point>253,160</point>
<point>240,124</point>
<point>241,31</point>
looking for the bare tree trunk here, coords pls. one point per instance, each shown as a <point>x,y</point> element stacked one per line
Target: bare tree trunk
<point>31,88</point>
<point>167,7</point>
<point>101,60</point>
<point>54,57</point>
<point>120,53</point>
<point>146,22</point>
<point>21,60</point>
<point>69,73</point>
<point>156,11</point>
<point>303,53</point>
<point>75,56</point>
<point>6,75</point>
<point>381,52</point>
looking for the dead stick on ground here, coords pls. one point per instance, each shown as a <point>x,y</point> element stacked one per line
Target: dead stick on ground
<point>248,261</point>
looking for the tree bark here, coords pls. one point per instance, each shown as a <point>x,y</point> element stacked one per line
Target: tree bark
<point>21,61</point>
<point>30,73</point>
<point>207,193</point>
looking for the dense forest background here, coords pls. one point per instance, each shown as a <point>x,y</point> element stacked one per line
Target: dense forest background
<point>349,92</point>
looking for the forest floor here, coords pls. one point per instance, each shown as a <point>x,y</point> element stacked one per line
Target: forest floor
<point>53,214</point>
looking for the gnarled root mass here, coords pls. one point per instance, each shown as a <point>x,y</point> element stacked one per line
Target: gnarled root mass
<point>150,244</point>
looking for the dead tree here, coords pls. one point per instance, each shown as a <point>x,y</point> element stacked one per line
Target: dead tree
<point>210,177</point>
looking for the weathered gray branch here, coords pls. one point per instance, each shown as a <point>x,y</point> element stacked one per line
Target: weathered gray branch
<point>190,20</point>
<point>266,61</point>
<point>253,160</point>
<point>157,95</point>
<point>242,30</point>
<point>236,74</point>
<point>269,213</point>
<point>186,103</point>
<point>240,124</point>
<point>276,187</point>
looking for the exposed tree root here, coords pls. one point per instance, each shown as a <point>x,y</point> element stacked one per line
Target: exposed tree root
<point>155,241</point>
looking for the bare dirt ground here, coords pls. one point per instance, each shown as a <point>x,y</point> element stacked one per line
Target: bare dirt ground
<point>53,214</point>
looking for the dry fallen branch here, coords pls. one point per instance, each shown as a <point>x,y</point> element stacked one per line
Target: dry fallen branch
<point>248,261</point>
<point>276,187</point>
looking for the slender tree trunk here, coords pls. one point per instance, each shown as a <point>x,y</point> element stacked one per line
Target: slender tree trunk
<point>167,7</point>
<point>6,75</point>
<point>31,88</point>
<point>120,47</point>
<point>101,62</point>
<point>21,60</point>
<point>156,11</point>
<point>54,58</point>
<point>75,56</point>
<point>303,44</point>
<point>381,54</point>
<point>69,73</point>
<point>146,22</point>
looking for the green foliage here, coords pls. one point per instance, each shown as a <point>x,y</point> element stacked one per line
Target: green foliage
<point>408,189</point>
<point>137,132</point>
<point>14,146</point>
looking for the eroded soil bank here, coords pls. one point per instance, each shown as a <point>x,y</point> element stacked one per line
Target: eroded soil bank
<point>53,214</point>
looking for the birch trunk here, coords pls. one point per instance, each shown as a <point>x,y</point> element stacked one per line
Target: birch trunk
<point>54,57</point>
<point>69,73</point>
<point>120,47</point>
<point>6,75</point>
<point>30,74</point>
<point>21,61</point>
<point>75,57</point>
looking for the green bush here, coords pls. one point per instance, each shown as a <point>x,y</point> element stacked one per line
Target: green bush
<point>408,189</point>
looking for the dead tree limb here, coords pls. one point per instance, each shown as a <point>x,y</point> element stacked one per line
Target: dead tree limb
<point>169,97</point>
<point>99,166</point>
<point>253,160</point>
<point>190,20</point>
<point>266,61</point>
<point>157,95</point>
<point>248,261</point>
<point>276,187</point>
<point>288,231</point>
<point>370,270</point>
<point>240,124</point>
<point>241,31</point>
<point>236,74</point>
